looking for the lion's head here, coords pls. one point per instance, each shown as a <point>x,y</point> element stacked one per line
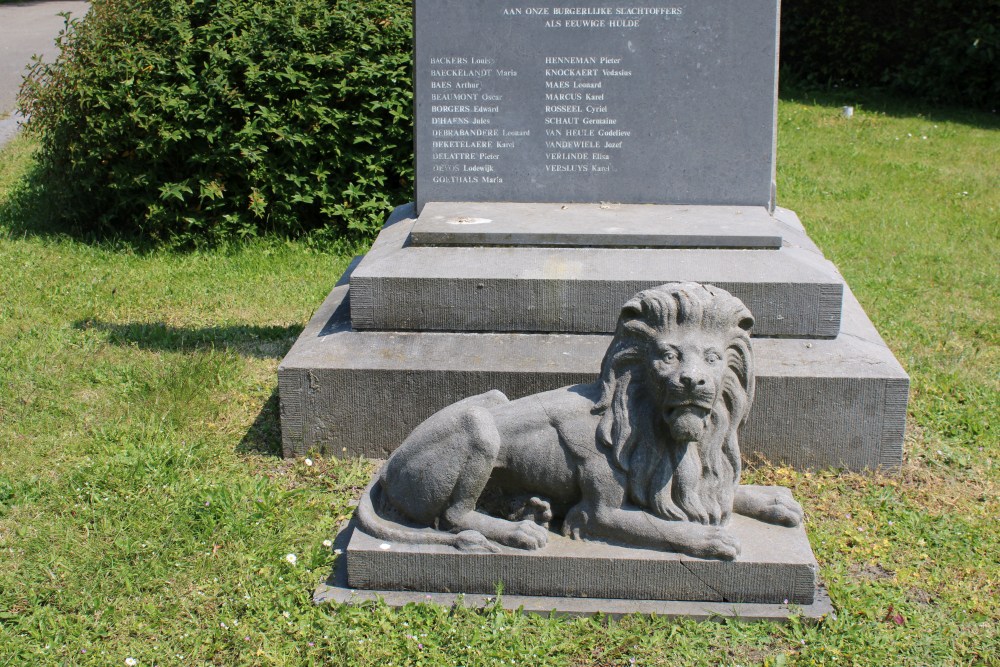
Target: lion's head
<point>677,382</point>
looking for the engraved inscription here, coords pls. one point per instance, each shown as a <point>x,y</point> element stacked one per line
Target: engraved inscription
<point>470,134</point>
<point>604,100</point>
<point>581,93</point>
<point>473,129</point>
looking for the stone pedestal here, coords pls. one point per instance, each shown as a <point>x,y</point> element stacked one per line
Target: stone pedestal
<point>567,158</point>
<point>418,327</point>
<point>775,565</point>
<point>775,576</point>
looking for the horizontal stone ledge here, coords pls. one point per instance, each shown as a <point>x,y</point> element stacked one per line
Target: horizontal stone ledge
<point>334,591</point>
<point>819,403</point>
<point>596,225</point>
<point>775,565</point>
<point>792,292</point>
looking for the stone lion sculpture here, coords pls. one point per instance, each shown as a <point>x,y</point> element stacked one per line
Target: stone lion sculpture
<point>646,456</point>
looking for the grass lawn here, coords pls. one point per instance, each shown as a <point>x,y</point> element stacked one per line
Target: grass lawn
<point>145,513</point>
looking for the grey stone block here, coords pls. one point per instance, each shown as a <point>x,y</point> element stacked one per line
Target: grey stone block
<point>775,565</point>
<point>673,105</point>
<point>819,403</point>
<point>336,591</point>
<point>792,292</point>
<point>595,225</point>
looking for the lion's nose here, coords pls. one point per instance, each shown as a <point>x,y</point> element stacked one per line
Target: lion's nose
<point>691,379</point>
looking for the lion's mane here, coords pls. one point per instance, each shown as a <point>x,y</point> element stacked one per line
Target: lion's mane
<point>675,480</point>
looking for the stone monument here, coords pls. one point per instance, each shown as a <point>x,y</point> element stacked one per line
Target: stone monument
<point>656,433</point>
<point>568,157</point>
<point>645,458</point>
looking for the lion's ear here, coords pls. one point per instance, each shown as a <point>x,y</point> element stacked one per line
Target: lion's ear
<point>631,309</point>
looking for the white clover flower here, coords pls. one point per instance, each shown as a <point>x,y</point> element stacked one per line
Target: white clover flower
<point>131,662</point>
<point>327,543</point>
<point>292,559</point>
<point>308,462</point>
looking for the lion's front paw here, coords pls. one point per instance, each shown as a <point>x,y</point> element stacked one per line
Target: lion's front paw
<point>526,535</point>
<point>783,511</point>
<point>770,504</point>
<point>716,542</point>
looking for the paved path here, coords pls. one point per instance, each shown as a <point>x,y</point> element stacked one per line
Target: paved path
<point>27,28</point>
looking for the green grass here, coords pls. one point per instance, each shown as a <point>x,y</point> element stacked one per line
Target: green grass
<point>144,512</point>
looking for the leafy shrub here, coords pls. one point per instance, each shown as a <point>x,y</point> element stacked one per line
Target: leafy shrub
<point>938,50</point>
<point>202,120</point>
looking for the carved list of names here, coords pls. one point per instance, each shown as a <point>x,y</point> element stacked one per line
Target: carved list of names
<point>526,102</point>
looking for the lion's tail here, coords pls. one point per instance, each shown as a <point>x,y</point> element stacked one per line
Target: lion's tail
<point>375,525</point>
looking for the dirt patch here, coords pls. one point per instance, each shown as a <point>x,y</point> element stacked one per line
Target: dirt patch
<point>919,595</point>
<point>870,572</point>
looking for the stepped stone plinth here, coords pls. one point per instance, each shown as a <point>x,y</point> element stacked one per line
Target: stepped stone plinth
<point>581,173</point>
<point>821,402</point>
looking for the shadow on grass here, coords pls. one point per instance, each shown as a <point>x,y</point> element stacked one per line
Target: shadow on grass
<point>264,436</point>
<point>34,208</point>
<point>252,341</point>
<point>894,105</point>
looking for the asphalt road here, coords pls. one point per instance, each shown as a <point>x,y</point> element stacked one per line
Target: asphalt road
<point>26,29</point>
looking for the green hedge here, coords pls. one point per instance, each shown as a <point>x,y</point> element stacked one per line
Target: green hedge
<point>195,120</point>
<point>938,50</point>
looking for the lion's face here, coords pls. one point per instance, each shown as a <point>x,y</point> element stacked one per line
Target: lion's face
<point>676,384</point>
<point>688,368</point>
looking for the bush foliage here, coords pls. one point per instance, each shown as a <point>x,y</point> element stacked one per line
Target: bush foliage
<point>937,50</point>
<point>194,120</point>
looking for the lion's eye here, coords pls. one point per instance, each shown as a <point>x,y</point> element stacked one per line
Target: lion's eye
<point>669,355</point>
<point>712,356</point>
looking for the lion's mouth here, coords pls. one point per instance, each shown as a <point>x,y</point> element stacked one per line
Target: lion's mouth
<point>687,421</point>
<point>702,408</point>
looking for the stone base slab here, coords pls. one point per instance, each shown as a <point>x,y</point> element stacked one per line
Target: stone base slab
<point>399,286</point>
<point>775,566</point>
<point>596,225</point>
<point>573,607</point>
<point>337,590</point>
<point>819,403</point>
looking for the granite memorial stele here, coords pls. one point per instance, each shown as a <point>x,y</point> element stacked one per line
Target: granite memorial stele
<point>568,157</point>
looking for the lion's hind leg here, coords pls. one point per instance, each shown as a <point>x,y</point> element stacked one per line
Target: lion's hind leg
<point>387,523</point>
<point>482,448</point>
<point>420,477</point>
